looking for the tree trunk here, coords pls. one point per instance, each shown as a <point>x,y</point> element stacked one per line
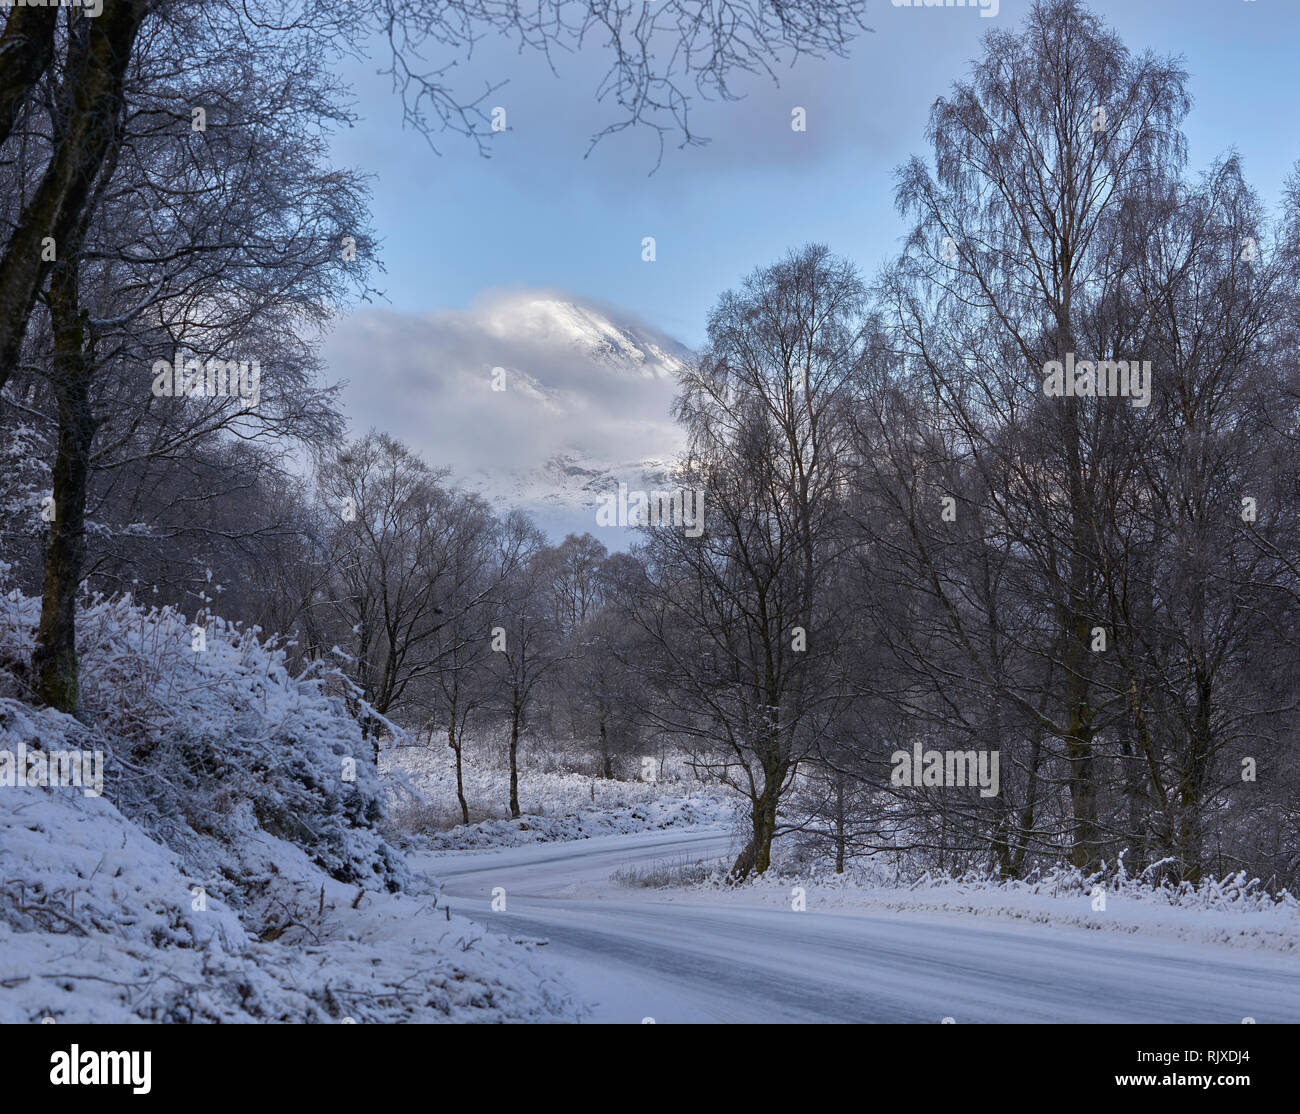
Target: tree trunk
<point>26,48</point>
<point>455,745</point>
<point>1085,847</point>
<point>606,766</point>
<point>54,659</point>
<point>516,711</point>
<point>757,854</point>
<point>90,104</point>
<point>1085,843</point>
<point>1029,812</point>
<point>1191,784</point>
<point>1085,850</point>
<point>1136,796</point>
<point>839,823</point>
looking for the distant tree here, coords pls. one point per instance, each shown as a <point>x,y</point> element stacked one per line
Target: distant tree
<point>525,635</point>
<point>462,683</point>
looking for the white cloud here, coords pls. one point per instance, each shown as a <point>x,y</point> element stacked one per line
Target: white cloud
<point>587,397</point>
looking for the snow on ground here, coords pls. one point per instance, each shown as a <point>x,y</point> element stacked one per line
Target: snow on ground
<point>706,955</point>
<point>98,923</point>
<point>1232,912</point>
<point>555,805</point>
<point>230,865</point>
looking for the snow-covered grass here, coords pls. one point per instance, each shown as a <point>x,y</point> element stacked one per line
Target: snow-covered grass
<point>666,873</point>
<point>1236,910</point>
<point>234,869</point>
<point>98,923</point>
<point>555,805</point>
<point>204,745</point>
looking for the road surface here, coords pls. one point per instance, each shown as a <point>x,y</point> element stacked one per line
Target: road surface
<point>691,956</point>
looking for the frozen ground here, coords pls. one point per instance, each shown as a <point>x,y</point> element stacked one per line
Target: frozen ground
<point>701,954</point>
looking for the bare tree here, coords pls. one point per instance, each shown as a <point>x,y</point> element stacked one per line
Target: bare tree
<point>462,684</point>
<point>1011,251</point>
<point>525,635</point>
<point>187,253</point>
<point>739,614</point>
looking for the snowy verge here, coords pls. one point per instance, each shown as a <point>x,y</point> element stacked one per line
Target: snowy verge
<point>207,735</point>
<point>225,862</point>
<point>555,806</point>
<point>1235,911</point>
<point>98,923</point>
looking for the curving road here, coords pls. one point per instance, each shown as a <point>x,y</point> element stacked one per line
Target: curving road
<point>678,956</point>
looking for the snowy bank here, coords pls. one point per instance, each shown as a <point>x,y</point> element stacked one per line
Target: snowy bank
<point>233,868</point>
<point>1236,911</point>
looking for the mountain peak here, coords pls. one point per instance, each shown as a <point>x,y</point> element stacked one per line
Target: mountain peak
<point>586,400</point>
<point>600,333</point>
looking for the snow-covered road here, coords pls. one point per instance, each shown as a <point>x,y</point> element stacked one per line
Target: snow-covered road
<point>695,956</point>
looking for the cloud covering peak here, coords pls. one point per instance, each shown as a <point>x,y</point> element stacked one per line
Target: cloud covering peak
<point>582,400</point>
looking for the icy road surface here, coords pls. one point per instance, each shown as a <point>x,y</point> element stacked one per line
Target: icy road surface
<point>694,956</point>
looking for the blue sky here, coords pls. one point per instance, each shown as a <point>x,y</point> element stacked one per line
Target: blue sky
<point>539,214</point>
<point>491,261</point>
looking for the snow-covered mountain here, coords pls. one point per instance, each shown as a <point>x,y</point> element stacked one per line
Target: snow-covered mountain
<point>551,320</point>
<point>580,404</point>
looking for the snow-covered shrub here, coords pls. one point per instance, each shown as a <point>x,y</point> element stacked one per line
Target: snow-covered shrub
<point>208,737</point>
<point>101,923</point>
<point>232,870</point>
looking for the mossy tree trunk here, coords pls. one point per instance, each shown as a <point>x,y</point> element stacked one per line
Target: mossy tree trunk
<point>54,660</point>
